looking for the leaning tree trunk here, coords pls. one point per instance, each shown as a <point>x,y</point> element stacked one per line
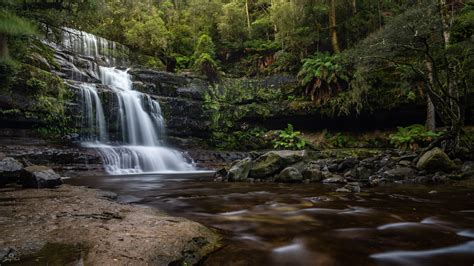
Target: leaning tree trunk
<point>333,26</point>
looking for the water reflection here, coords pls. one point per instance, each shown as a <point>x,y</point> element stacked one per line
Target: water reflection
<point>276,224</point>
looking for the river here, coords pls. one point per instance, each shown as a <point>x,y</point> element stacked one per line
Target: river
<point>310,224</point>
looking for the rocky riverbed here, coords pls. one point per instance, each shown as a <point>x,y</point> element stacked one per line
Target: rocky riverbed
<point>351,169</point>
<point>83,225</point>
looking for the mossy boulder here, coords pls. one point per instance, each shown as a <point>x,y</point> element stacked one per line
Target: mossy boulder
<point>289,175</point>
<point>435,160</point>
<point>273,162</point>
<point>312,171</point>
<point>239,170</point>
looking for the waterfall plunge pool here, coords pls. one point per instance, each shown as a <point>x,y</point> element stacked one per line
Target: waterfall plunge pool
<point>310,224</point>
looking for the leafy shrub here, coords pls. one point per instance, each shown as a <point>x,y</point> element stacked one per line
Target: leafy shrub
<point>207,66</point>
<point>413,137</point>
<point>322,76</point>
<point>289,139</point>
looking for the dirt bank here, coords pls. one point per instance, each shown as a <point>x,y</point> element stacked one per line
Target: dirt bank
<point>103,231</point>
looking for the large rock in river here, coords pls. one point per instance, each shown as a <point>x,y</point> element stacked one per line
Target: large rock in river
<point>435,160</point>
<point>10,170</point>
<point>273,162</point>
<point>240,170</point>
<point>289,175</point>
<point>38,176</point>
<point>313,172</point>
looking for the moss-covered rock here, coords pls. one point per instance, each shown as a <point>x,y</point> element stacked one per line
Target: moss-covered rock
<point>273,162</point>
<point>239,170</point>
<point>435,160</point>
<point>289,175</point>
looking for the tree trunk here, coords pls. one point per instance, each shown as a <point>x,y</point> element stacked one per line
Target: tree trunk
<point>430,114</point>
<point>248,15</point>
<point>430,108</point>
<point>3,46</point>
<point>354,6</point>
<point>333,26</point>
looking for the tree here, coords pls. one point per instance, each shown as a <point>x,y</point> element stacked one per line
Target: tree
<point>333,26</point>
<point>416,40</point>
<point>232,25</point>
<point>204,58</point>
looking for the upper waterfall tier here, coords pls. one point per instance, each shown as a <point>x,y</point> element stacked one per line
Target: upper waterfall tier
<point>90,45</point>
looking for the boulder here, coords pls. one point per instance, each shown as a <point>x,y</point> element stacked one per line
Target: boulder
<point>313,172</point>
<point>289,175</point>
<point>400,173</point>
<point>467,169</point>
<point>435,160</point>
<point>10,170</point>
<point>361,172</point>
<point>38,176</point>
<point>240,170</point>
<point>273,162</point>
<point>347,164</point>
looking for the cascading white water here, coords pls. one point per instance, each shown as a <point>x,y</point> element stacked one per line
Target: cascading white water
<point>139,148</point>
<point>93,114</point>
<point>90,45</point>
<point>140,116</point>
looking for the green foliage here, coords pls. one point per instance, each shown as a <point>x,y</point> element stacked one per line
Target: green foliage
<point>148,33</point>
<point>13,25</point>
<point>289,139</point>
<point>207,66</point>
<point>322,76</point>
<point>204,61</point>
<point>232,25</point>
<point>204,45</point>
<point>8,71</point>
<point>339,140</point>
<point>413,137</point>
<point>244,139</point>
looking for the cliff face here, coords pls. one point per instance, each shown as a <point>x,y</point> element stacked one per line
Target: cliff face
<point>44,99</point>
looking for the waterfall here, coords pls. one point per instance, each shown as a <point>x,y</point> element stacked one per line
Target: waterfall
<point>93,114</point>
<point>139,147</point>
<point>90,45</point>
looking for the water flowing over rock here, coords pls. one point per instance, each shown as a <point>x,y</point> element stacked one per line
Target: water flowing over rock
<point>129,133</point>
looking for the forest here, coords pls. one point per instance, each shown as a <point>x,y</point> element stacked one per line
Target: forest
<point>236,132</point>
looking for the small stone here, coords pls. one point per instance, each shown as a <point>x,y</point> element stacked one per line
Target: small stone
<point>335,179</point>
<point>343,190</point>
<point>400,173</point>
<point>433,192</point>
<point>404,163</point>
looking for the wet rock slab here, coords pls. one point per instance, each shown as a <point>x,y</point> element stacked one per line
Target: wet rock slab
<point>111,233</point>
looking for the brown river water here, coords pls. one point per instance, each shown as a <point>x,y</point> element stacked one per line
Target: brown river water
<point>310,224</point>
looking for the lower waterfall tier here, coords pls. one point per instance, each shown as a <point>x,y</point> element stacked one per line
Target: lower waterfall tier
<point>119,160</point>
